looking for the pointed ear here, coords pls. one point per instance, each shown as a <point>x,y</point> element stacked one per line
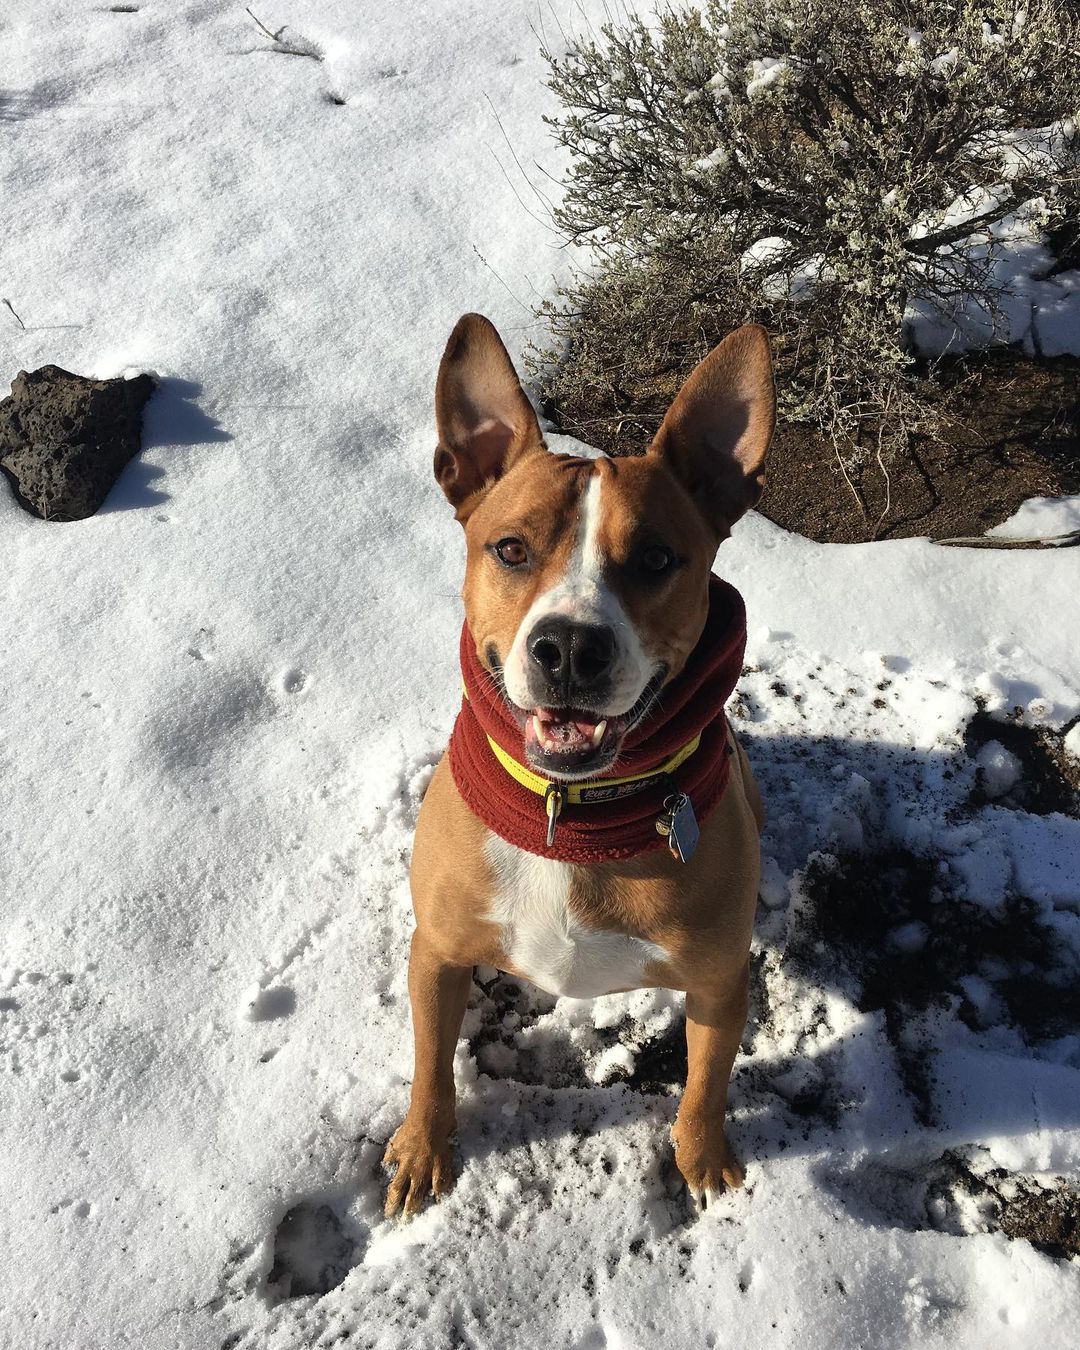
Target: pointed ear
<point>486,423</point>
<point>716,433</point>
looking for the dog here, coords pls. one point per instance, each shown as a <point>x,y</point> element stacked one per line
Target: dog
<point>590,612</point>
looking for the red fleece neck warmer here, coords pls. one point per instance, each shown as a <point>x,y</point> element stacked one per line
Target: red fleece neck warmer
<point>595,832</point>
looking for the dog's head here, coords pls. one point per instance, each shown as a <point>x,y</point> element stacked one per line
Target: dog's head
<point>586,584</point>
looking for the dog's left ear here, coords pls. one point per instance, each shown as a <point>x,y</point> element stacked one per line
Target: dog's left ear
<point>486,423</point>
<point>717,432</point>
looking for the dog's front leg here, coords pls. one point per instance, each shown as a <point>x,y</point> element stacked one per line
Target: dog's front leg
<point>714,1026</point>
<point>420,1149</point>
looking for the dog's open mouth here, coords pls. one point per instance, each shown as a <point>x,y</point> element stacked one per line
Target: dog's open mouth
<point>571,731</point>
<point>575,742</point>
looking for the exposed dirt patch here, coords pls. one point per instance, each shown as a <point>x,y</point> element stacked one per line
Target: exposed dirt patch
<point>882,926</point>
<point>660,1064</point>
<point>1049,1219</point>
<point>506,1007</point>
<point>964,1194</point>
<point>961,1192</point>
<point>885,922</point>
<point>1051,778</point>
<point>1016,435</point>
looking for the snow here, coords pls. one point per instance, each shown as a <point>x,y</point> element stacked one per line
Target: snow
<point>1045,853</point>
<point>1057,319</point>
<point>715,159</point>
<point>1041,518</point>
<point>224,697</point>
<point>1036,304</point>
<point>764,73</point>
<point>1027,307</point>
<point>944,64</point>
<point>999,768</point>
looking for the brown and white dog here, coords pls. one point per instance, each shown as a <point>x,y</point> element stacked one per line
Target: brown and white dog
<point>594,581</point>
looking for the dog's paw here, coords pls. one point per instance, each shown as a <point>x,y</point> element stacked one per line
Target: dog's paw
<point>423,1167</point>
<point>705,1160</point>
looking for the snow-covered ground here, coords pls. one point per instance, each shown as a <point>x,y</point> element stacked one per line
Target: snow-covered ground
<point>223,697</point>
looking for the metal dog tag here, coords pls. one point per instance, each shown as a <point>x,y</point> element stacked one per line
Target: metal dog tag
<point>683,834</point>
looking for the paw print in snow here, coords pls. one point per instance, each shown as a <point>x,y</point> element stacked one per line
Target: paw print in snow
<point>294,680</point>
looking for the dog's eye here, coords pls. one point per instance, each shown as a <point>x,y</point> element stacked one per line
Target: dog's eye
<point>655,558</point>
<point>511,552</point>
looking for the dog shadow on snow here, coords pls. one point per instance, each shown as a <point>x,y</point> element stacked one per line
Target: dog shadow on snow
<point>892,948</point>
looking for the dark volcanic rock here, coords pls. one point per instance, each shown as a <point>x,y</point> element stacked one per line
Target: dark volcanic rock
<point>65,439</point>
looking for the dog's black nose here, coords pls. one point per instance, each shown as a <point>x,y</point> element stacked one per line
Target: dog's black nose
<point>572,655</point>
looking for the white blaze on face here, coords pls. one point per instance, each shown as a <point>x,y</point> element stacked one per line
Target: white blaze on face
<point>584,597</point>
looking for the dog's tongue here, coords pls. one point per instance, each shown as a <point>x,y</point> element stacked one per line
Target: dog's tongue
<point>564,729</point>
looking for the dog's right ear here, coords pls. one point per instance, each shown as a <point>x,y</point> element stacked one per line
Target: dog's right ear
<point>486,423</point>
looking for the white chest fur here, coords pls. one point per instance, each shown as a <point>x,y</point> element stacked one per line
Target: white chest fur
<point>543,938</point>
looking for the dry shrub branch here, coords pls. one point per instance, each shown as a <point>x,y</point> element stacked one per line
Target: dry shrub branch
<point>827,169</point>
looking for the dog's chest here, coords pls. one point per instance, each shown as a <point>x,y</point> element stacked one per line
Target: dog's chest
<point>546,941</point>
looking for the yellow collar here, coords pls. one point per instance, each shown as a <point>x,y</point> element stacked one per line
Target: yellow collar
<point>590,791</point>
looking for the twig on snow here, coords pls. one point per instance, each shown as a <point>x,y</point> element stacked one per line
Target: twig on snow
<point>296,45</point>
<point>274,37</point>
<point>516,298</point>
<point>17,319</point>
<point>1071,539</point>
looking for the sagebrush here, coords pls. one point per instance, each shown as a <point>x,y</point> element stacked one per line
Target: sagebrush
<point>826,169</point>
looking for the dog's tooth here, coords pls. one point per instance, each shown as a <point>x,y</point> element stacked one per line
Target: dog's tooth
<point>598,732</point>
<point>538,729</point>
